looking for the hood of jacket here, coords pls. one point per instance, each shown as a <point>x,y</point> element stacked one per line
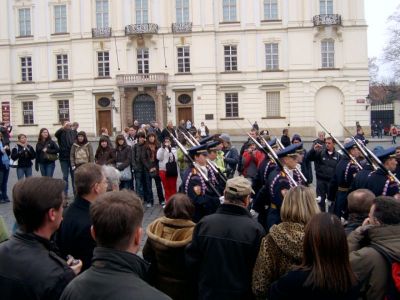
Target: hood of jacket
<point>171,233</point>
<point>387,237</point>
<point>79,146</point>
<point>289,238</point>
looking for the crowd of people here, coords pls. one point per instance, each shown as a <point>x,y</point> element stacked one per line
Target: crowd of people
<point>243,224</point>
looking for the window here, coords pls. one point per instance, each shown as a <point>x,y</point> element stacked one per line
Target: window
<point>229,10</point>
<point>24,22</point>
<point>271,57</point>
<point>326,7</point>
<point>270,9</point>
<point>328,53</point>
<point>27,112</point>
<point>102,13</point>
<point>273,104</point>
<point>143,60</point>
<point>60,18</point>
<point>232,105</point>
<point>230,54</point>
<point>182,11</point>
<point>103,63</point>
<point>63,111</point>
<point>142,11</point>
<point>183,59</point>
<point>62,66</point>
<point>26,69</point>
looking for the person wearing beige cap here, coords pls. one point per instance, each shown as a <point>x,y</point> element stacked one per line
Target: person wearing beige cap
<point>225,245</point>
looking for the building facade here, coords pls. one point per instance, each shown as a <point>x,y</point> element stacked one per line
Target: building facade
<point>105,63</point>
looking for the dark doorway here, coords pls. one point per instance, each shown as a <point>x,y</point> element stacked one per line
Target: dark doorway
<point>144,109</point>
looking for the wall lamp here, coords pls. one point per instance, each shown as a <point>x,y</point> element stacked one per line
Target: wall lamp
<point>113,104</point>
<point>168,103</point>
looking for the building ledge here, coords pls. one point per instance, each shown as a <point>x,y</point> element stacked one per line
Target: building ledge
<point>227,119</point>
<point>28,125</point>
<point>59,33</point>
<point>272,21</point>
<point>229,22</point>
<point>24,36</point>
<point>103,77</point>
<point>230,72</point>
<point>273,118</point>
<point>62,80</point>
<point>25,82</point>
<point>272,71</point>
<point>183,73</point>
<point>328,69</point>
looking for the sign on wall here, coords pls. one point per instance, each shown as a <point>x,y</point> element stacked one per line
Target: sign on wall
<point>5,111</point>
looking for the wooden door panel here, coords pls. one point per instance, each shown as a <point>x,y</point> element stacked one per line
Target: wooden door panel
<point>105,120</point>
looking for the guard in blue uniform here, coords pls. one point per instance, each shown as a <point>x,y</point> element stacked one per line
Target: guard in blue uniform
<point>279,183</point>
<point>340,184</point>
<point>204,199</point>
<point>379,182</point>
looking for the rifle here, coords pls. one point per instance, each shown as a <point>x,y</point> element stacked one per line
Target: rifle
<point>199,170</point>
<point>278,141</point>
<point>351,157</point>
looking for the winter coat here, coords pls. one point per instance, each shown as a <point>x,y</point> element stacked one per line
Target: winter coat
<point>65,139</point>
<point>279,251</point>
<point>114,274</point>
<point>137,157</point>
<point>52,148</point>
<point>29,269</point>
<point>24,154</point>
<point>164,155</point>
<point>81,154</point>
<point>122,156</point>
<point>150,158</point>
<point>165,250</point>
<point>367,263</point>
<point>325,164</point>
<point>223,252</point>
<point>105,156</point>
<point>285,140</point>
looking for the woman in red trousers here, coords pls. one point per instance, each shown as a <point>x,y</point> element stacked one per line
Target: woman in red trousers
<point>166,156</point>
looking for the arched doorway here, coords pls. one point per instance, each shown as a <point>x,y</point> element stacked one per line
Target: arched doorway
<point>329,110</point>
<point>144,109</point>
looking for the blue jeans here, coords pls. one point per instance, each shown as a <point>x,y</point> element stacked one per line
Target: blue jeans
<point>125,184</point>
<point>67,170</point>
<point>3,182</point>
<point>47,169</point>
<point>143,186</point>
<point>24,172</point>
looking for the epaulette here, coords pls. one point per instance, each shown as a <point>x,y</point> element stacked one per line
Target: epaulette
<point>283,174</point>
<point>194,171</point>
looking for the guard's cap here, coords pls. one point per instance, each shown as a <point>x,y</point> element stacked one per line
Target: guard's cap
<point>290,150</point>
<point>272,143</point>
<point>206,139</point>
<point>386,154</point>
<point>350,145</point>
<point>200,149</point>
<point>212,146</point>
<point>239,186</point>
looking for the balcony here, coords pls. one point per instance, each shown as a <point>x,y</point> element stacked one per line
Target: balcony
<point>139,29</point>
<point>327,20</point>
<point>99,33</point>
<point>127,80</point>
<point>182,27</point>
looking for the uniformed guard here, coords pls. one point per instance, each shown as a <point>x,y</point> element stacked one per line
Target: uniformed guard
<point>215,175</point>
<point>279,182</point>
<point>379,181</point>
<point>195,186</point>
<point>344,175</point>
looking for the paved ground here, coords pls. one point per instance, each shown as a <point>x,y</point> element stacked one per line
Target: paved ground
<point>150,213</point>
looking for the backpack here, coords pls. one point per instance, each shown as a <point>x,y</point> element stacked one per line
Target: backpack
<point>393,287</point>
<point>81,155</point>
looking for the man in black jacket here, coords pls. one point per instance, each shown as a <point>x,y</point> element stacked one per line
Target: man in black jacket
<point>116,272</point>
<point>325,160</point>
<point>74,234</point>
<point>29,267</point>
<point>225,246</point>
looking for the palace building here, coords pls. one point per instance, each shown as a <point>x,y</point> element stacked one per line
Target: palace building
<point>106,63</point>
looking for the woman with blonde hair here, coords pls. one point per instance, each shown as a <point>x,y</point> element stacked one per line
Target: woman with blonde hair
<point>282,247</point>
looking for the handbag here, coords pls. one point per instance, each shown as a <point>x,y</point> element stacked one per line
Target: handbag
<point>50,156</point>
<point>171,167</point>
<point>14,163</point>
<point>126,174</point>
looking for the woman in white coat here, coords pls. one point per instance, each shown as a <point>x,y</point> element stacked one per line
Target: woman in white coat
<point>168,168</point>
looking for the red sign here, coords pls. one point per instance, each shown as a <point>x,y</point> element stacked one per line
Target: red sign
<point>5,112</point>
<point>360,100</point>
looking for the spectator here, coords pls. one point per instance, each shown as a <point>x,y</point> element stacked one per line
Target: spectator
<point>251,160</point>
<point>225,246</point>
<point>29,268</point>
<point>320,139</point>
<point>65,138</point>
<point>360,136</point>
<point>150,161</point>
<point>4,169</point>
<point>255,126</point>
<point>231,155</point>
<point>112,175</point>
<point>104,133</point>
<point>285,139</point>
<point>167,132</point>
<point>245,146</point>
<point>393,133</point>
<point>81,151</point>
<point>203,130</point>
<point>380,129</point>
<point>143,187</point>
<point>165,246</point>
<point>105,154</point>
<point>5,131</point>
<point>123,161</point>
<point>167,154</point>
<point>154,128</point>
<point>74,234</point>
<point>325,272</point>
<point>188,125</point>
<point>359,203</point>
<point>136,125</point>
<point>379,233</point>
<point>131,137</point>
<point>283,246</point>
<point>23,153</point>
<point>116,271</point>
<point>216,156</point>
<point>46,153</point>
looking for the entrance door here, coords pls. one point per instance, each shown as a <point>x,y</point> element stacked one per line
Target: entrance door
<point>144,109</point>
<point>184,113</point>
<point>104,120</point>
<point>329,109</point>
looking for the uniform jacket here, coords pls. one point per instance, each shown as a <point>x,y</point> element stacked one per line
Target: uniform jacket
<point>325,163</point>
<point>279,251</point>
<point>29,269</point>
<point>223,252</point>
<point>74,236</point>
<point>51,148</point>
<point>360,180</point>
<point>25,155</point>
<point>114,275</point>
<point>77,158</point>
<point>345,172</point>
<point>165,250</point>
<point>380,183</point>
<point>277,181</point>
<point>368,264</point>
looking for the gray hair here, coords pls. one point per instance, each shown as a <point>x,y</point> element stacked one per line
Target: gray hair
<point>112,175</point>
